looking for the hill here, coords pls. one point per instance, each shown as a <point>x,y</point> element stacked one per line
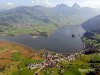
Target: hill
<point>92,24</point>
<point>12,55</point>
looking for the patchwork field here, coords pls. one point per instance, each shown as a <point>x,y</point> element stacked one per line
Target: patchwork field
<point>11,55</point>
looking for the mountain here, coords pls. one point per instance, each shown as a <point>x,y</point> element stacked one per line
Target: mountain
<point>74,10</point>
<point>40,15</point>
<point>92,24</point>
<point>75,14</point>
<point>27,15</point>
<point>2,10</point>
<point>75,5</point>
<point>61,9</point>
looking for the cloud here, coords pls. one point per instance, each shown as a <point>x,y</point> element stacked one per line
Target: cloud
<point>9,3</point>
<point>42,2</point>
<point>91,3</point>
<point>33,1</point>
<point>84,3</point>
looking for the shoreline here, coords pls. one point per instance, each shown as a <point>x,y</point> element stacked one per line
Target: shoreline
<point>17,44</point>
<point>45,34</point>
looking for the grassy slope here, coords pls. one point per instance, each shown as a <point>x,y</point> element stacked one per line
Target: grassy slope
<point>12,55</point>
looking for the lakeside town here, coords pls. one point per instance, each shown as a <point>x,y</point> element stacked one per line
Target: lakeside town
<point>53,59</point>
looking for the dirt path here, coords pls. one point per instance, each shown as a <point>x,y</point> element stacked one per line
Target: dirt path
<point>40,69</point>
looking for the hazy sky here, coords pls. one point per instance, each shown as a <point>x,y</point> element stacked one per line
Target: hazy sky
<point>14,3</point>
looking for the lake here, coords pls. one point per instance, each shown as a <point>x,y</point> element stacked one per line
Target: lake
<point>60,41</point>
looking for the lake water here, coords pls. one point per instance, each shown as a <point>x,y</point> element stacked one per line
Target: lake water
<point>60,41</point>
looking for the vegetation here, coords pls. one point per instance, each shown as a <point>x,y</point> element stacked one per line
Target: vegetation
<point>32,30</point>
<point>92,38</point>
<point>13,57</point>
<point>14,60</point>
<point>16,56</point>
<point>23,19</point>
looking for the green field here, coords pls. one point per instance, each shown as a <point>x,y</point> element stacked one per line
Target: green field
<point>47,29</point>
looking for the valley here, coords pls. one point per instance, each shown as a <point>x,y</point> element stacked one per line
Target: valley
<point>24,19</point>
<point>40,40</point>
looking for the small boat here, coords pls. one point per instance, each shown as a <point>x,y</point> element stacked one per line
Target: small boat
<point>73,35</point>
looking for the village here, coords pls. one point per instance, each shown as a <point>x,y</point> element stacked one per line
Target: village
<point>53,59</point>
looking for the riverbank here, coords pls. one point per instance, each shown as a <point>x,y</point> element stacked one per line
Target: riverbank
<point>43,30</point>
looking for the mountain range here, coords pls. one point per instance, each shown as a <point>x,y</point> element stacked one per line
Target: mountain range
<point>40,15</point>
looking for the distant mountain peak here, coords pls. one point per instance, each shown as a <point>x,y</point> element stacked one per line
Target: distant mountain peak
<point>62,5</point>
<point>75,5</point>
